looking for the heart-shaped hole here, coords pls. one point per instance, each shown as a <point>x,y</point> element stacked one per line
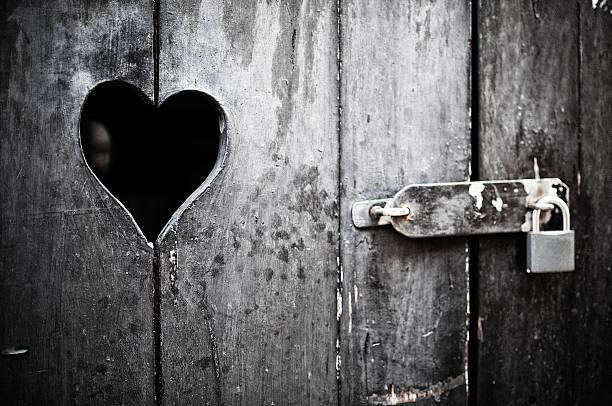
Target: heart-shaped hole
<point>150,158</point>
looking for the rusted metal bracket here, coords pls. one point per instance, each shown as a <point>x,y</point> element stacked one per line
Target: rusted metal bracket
<point>461,208</point>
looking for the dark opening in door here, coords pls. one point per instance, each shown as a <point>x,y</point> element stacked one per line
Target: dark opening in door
<point>150,158</point>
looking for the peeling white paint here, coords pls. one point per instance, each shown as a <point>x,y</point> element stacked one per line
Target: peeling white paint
<point>498,203</point>
<point>476,189</point>
<point>338,304</point>
<point>602,5</point>
<point>338,358</point>
<point>173,259</point>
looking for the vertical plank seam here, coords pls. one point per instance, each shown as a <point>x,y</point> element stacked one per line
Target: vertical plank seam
<point>473,310</point>
<point>156,4</point>
<point>339,280</point>
<point>579,97</point>
<point>157,367</point>
<point>159,382</point>
<point>473,91</point>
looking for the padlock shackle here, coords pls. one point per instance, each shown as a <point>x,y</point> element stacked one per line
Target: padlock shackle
<point>535,219</point>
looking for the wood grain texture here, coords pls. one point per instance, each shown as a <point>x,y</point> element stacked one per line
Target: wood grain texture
<point>75,276</point>
<point>248,271</point>
<point>590,331</point>
<point>529,109</point>
<point>405,119</point>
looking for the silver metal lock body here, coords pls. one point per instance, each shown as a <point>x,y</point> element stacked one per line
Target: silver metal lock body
<point>550,251</point>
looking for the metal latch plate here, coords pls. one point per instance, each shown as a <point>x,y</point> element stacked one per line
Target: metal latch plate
<point>463,208</point>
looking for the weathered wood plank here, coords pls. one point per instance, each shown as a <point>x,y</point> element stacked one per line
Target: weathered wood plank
<point>590,331</point>
<point>75,275</point>
<point>405,119</point>
<point>528,109</point>
<point>248,271</point>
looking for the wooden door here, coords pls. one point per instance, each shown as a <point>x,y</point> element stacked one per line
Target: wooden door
<point>259,290</point>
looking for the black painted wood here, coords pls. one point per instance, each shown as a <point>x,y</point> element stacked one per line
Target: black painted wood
<point>590,326</point>
<point>529,108</point>
<point>75,274</point>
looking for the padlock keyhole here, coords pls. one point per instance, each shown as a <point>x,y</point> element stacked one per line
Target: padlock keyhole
<point>150,158</point>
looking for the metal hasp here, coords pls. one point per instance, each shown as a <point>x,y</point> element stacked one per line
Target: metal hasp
<point>489,207</point>
<point>461,208</point>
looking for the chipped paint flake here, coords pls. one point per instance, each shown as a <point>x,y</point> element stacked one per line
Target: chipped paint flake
<point>498,203</point>
<point>172,258</point>
<point>602,5</point>
<point>338,358</point>
<point>476,189</point>
<point>338,304</point>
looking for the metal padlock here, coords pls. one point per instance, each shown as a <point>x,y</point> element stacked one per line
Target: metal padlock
<point>550,251</point>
